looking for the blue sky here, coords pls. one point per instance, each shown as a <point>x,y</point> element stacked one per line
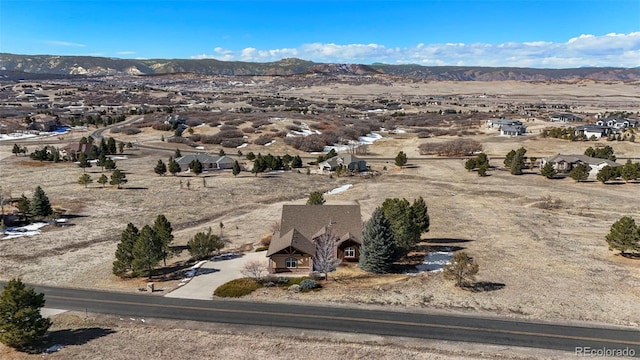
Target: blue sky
<point>546,33</point>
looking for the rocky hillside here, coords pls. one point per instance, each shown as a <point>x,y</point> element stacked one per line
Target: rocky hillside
<point>99,66</point>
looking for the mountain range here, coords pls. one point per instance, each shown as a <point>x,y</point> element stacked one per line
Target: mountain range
<point>40,66</point>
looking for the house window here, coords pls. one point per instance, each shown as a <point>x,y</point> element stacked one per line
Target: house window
<point>290,263</point>
<point>350,252</point>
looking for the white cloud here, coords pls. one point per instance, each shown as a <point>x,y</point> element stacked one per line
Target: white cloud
<point>617,50</point>
<point>64,43</point>
<point>126,52</point>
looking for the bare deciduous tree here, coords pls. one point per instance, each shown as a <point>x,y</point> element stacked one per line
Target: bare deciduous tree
<point>254,269</point>
<point>325,260</point>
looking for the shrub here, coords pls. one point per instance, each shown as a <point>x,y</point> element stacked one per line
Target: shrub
<point>263,140</point>
<point>116,130</point>
<point>130,130</point>
<point>287,282</point>
<point>226,127</point>
<point>266,240</point>
<point>213,123</point>
<point>193,122</point>
<point>195,137</point>
<point>262,248</point>
<point>294,128</point>
<point>237,288</point>
<point>248,130</point>
<point>308,284</point>
<point>232,143</point>
<point>295,288</point>
<point>457,147</point>
<point>161,126</point>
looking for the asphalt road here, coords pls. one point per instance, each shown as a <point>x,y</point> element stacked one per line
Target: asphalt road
<point>353,320</point>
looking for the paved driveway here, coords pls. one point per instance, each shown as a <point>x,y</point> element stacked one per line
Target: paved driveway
<point>213,274</point>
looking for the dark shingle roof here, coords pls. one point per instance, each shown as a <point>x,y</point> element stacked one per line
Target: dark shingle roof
<point>310,219</point>
<point>294,239</point>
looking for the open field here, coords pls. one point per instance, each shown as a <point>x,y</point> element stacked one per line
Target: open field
<point>550,264</point>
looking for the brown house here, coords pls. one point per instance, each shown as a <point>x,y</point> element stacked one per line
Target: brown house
<point>301,225</point>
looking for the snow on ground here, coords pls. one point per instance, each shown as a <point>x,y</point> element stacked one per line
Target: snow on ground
<point>124,157</point>
<point>362,140</point>
<point>16,136</point>
<point>435,261</point>
<point>28,230</point>
<point>339,189</point>
<point>241,146</point>
<point>24,135</point>
<point>270,143</point>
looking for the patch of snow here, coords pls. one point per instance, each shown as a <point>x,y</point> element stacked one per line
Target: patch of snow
<point>398,131</point>
<point>27,230</point>
<point>270,143</point>
<point>52,349</point>
<point>199,147</point>
<point>241,146</point>
<point>15,136</point>
<point>362,140</point>
<point>123,157</point>
<point>435,261</point>
<point>339,189</point>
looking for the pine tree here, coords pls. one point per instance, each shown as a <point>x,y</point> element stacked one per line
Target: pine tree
<point>103,179</point>
<point>401,159</point>
<point>296,162</point>
<point>21,323</point>
<point>147,251</point>
<point>120,147</point>
<point>548,171</point>
<point>83,161</point>
<point>462,269</point>
<point>16,149</point>
<point>111,145</point>
<point>624,236</point>
<point>236,168</point>
<point>163,230</point>
<point>508,159</point>
<point>406,231</point>
<point>607,173</point>
<point>204,244</point>
<point>629,171</point>
<point>315,198</point>
<point>160,168</point>
<point>470,164</point>
<point>580,172</point>
<point>195,166</point>
<point>24,207</point>
<point>377,250</point>
<point>517,163</point>
<point>85,179</point>
<point>482,170</point>
<point>40,205</point>
<point>420,214</point>
<point>174,167</point>
<point>177,154</point>
<point>102,160</point>
<point>109,164</point>
<point>124,252</point>
<point>118,178</point>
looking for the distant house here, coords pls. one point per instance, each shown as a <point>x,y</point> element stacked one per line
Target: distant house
<point>564,118</point>
<point>617,123</point>
<point>43,122</point>
<point>595,131</point>
<point>499,123</point>
<point>209,162</point>
<point>352,163</point>
<point>513,130</point>
<point>563,164</point>
<point>292,247</point>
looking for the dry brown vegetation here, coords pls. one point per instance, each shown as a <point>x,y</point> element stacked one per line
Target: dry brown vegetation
<point>539,241</point>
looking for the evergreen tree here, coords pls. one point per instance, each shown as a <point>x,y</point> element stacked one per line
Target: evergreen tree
<point>85,179</point>
<point>120,147</point>
<point>420,214</point>
<point>163,231</point>
<point>629,171</point>
<point>147,251</point>
<point>607,173</point>
<point>236,168</point>
<point>174,167</point>
<point>251,156</point>
<point>103,179</point>
<point>401,159</point>
<point>548,171</point>
<point>109,164</point>
<point>624,236</point>
<point>40,205</point>
<point>518,162</point>
<point>482,170</point>
<point>24,207</point>
<point>111,146</point>
<point>315,198</point>
<point>118,178</point>
<point>580,172</point>
<point>104,148</point>
<point>16,149</point>
<point>470,164</point>
<point>204,244</point>
<point>377,250</point>
<point>462,269</point>
<point>195,166</point>
<point>406,232</point>
<point>21,323</point>
<point>296,162</point>
<point>177,154</point>
<point>160,168</point>
<point>102,160</point>
<point>83,161</point>
<point>508,159</point>
<point>124,252</point>
<point>221,152</point>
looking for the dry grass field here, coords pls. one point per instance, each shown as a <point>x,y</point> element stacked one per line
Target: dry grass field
<point>553,264</point>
